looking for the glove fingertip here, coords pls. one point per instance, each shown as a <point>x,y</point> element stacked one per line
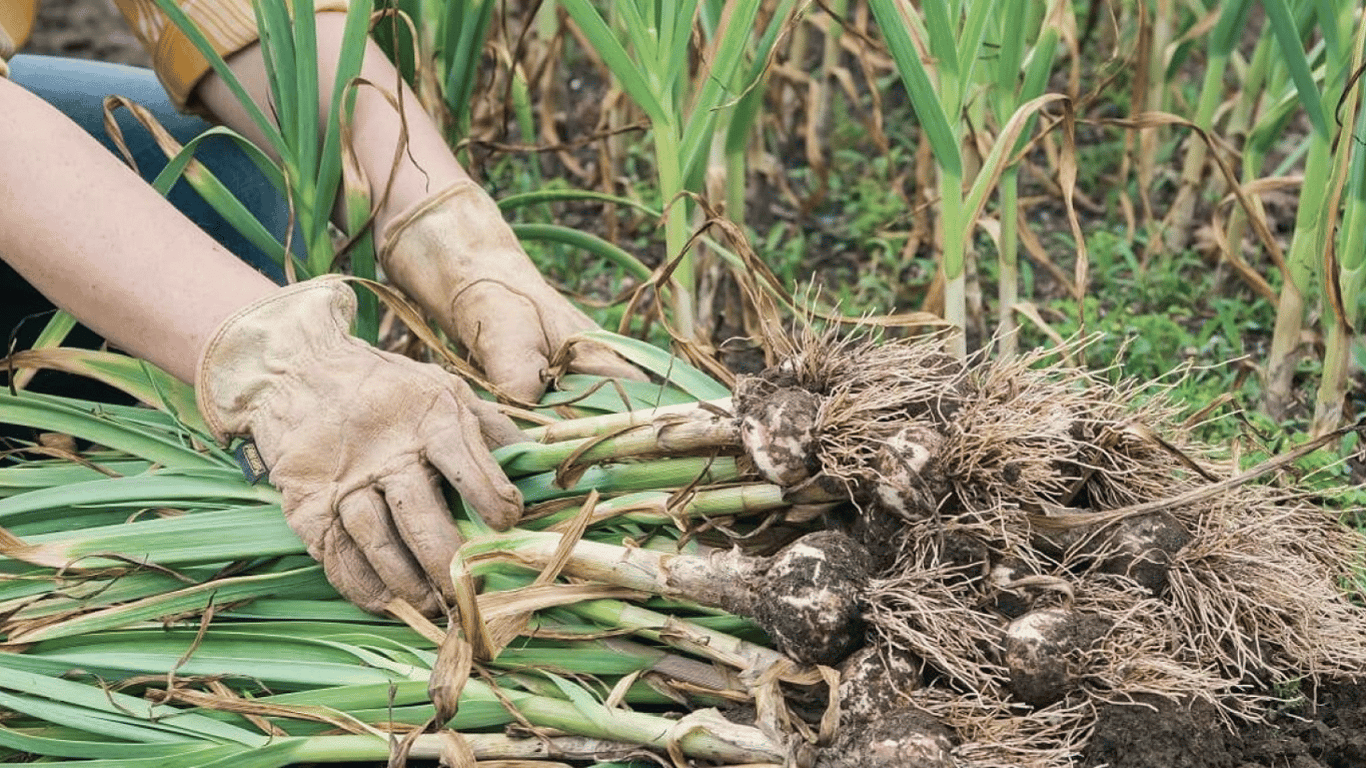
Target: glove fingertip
<point>522,382</point>
<point>506,514</point>
<point>351,575</point>
<point>465,462</point>
<point>497,502</point>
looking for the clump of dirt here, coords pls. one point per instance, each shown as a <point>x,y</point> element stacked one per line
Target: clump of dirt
<point>1154,731</point>
<point>1140,547</point>
<point>1326,730</point>
<point>902,739</point>
<point>875,681</point>
<point>778,430</point>
<point>1060,556</point>
<point>808,596</point>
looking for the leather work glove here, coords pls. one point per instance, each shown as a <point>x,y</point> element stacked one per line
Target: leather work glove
<point>459,260</point>
<point>357,440</point>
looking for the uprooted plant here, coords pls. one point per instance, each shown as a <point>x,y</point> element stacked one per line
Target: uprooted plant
<point>964,561</point>
<point>1052,538</point>
<point>1018,543</point>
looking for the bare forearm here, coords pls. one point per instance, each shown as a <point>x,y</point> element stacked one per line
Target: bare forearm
<point>425,168</point>
<point>102,244</point>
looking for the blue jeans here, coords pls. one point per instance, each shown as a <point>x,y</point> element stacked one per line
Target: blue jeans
<point>77,88</point>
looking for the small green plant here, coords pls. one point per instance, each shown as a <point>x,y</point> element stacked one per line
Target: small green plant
<point>648,53</point>
<point>954,36</point>
<point>1320,74</point>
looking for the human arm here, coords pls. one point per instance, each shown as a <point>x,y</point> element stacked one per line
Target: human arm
<point>361,484</point>
<point>99,242</point>
<point>335,419</point>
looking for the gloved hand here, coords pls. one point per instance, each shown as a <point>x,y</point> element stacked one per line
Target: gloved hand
<point>357,440</point>
<point>459,260</point>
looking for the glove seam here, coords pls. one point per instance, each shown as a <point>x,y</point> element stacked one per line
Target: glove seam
<point>397,228</point>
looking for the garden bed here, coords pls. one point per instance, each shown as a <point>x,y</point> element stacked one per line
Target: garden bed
<point>1320,725</point>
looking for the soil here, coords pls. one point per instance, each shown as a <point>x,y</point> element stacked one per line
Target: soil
<point>1330,733</point>
<point>1156,733</point>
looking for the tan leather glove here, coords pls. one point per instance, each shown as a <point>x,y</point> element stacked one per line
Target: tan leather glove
<point>357,440</point>
<point>459,260</point>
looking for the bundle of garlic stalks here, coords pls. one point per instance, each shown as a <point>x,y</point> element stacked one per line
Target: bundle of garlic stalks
<point>872,555</point>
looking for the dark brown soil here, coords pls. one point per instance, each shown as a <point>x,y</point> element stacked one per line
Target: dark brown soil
<point>1330,734</point>
<point>1155,733</point>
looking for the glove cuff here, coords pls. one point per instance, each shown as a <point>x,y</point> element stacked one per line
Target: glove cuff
<point>463,213</point>
<point>430,251</point>
<point>266,342</point>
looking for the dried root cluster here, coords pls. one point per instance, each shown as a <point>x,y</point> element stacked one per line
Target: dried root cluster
<point>1044,542</point>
